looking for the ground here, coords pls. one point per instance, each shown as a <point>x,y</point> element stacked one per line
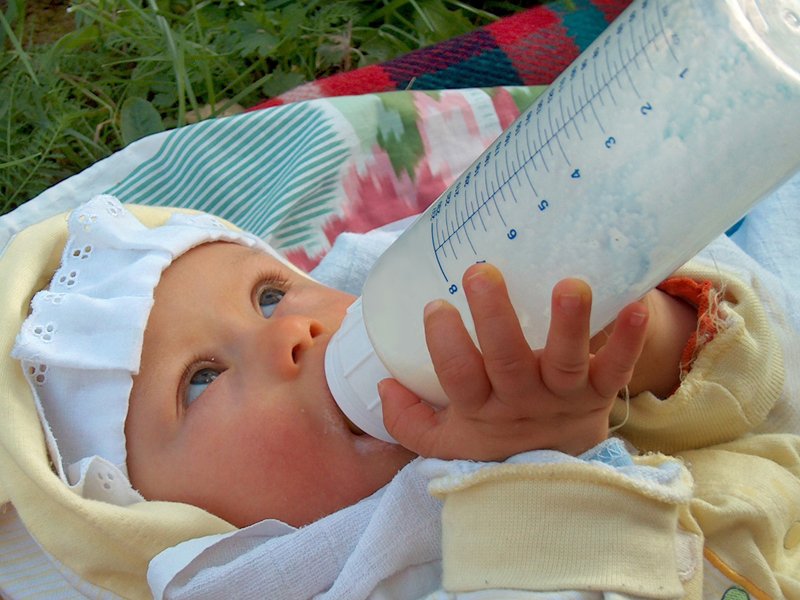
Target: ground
<point>49,19</point>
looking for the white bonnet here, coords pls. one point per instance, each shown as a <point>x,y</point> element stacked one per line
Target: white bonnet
<point>81,343</point>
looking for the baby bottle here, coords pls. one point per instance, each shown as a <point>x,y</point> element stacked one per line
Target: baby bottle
<point>659,137</point>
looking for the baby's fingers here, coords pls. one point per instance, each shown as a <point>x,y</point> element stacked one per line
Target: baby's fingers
<point>612,366</point>
<point>456,360</point>
<point>509,362</point>
<point>565,358</point>
<point>407,419</point>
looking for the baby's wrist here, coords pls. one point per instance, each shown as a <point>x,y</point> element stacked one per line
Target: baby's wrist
<point>703,297</point>
<point>672,323</point>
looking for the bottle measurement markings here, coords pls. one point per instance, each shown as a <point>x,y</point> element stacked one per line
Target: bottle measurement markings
<point>458,209</point>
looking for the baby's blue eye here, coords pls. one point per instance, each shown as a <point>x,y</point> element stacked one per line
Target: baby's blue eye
<point>199,382</point>
<point>268,300</point>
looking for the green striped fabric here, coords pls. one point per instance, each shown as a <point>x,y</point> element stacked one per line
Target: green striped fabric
<point>271,172</point>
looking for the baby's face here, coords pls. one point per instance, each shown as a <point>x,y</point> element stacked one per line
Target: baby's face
<point>231,411</point>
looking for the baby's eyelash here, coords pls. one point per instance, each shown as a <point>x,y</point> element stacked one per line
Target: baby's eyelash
<point>193,366</point>
<point>270,292</point>
<point>273,279</point>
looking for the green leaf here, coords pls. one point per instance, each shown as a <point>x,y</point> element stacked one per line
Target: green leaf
<point>280,82</point>
<point>374,50</point>
<point>293,18</point>
<point>139,118</point>
<point>253,39</point>
<point>435,22</point>
<point>80,38</point>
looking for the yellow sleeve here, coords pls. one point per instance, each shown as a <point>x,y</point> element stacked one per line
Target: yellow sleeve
<point>747,503</point>
<point>570,526</point>
<point>734,381</point>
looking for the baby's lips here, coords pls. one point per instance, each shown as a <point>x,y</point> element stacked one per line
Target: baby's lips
<point>348,423</point>
<point>352,426</point>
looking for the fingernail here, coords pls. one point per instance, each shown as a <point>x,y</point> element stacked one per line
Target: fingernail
<point>480,281</point>
<point>431,307</point>
<point>637,319</point>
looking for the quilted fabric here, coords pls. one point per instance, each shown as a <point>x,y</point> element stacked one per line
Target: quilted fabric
<point>528,48</point>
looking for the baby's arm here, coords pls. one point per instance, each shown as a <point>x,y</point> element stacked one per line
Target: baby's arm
<point>507,398</point>
<point>732,369</point>
<point>670,325</point>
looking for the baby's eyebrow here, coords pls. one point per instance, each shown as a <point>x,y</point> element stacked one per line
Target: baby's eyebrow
<point>276,263</point>
<point>253,254</point>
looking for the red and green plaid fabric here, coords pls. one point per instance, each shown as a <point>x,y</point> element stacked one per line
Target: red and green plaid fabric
<point>528,48</point>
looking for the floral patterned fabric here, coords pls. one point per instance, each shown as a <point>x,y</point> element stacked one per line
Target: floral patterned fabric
<point>298,175</point>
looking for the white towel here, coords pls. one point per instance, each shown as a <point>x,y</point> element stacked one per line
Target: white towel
<point>386,547</point>
<point>392,537</point>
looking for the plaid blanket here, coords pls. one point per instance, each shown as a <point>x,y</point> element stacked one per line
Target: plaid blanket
<point>528,48</point>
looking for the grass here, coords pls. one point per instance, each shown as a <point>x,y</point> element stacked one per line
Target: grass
<point>114,70</point>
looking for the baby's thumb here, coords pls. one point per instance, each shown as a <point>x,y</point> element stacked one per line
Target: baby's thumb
<point>408,419</point>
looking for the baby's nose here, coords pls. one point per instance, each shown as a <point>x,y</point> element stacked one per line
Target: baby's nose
<point>294,336</point>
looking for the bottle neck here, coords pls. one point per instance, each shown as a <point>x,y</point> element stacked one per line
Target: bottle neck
<point>353,370</point>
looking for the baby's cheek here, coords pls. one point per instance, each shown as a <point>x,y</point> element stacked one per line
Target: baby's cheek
<point>273,442</point>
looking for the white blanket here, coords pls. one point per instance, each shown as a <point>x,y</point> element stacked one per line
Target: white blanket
<point>343,556</point>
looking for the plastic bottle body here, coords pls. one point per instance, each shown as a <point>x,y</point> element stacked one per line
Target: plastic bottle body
<point>661,135</point>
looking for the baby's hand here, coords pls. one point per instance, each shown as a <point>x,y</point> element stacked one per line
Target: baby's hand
<point>507,398</point>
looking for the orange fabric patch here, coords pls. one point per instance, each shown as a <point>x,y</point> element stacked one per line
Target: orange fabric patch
<point>703,296</point>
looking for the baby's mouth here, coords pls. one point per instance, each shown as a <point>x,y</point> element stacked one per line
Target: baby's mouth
<point>352,426</point>
<point>354,429</point>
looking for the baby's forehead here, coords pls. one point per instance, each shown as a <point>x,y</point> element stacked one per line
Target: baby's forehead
<point>214,270</point>
<point>199,287</point>
<point>230,256</point>
<point>241,255</point>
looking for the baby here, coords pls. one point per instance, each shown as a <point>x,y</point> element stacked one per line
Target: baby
<point>220,400</point>
<point>234,350</point>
